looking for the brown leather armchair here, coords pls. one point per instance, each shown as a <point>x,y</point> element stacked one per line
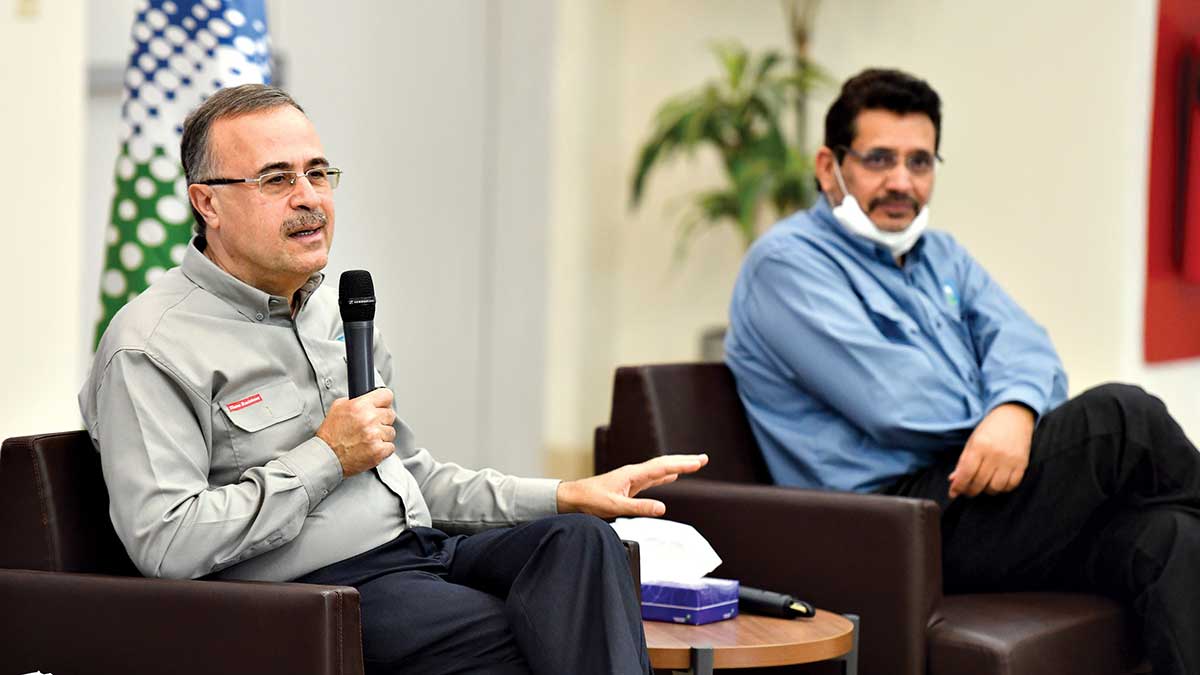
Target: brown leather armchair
<point>72,603</point>
<point>875,556</point>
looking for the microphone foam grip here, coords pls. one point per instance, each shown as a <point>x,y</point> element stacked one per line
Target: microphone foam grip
<point>356,296</point>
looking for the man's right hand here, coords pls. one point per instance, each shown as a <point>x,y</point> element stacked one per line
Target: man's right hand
<point>360,431</point>
<point>997,453</point>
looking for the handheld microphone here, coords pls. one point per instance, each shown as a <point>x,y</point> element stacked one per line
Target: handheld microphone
<point>356,300</point>
<point>768,603</point>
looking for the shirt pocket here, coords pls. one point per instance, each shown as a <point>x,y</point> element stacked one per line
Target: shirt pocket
<point>264,422</point>
<point>891,321</point>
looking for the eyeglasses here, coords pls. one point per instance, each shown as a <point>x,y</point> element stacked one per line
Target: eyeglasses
<point>878,160</point>
<point>279,183</point>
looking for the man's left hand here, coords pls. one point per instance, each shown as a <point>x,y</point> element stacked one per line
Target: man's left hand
<point>612,494</point>
<point>996,454</point>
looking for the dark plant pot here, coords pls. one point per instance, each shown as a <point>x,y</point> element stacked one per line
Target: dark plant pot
<point>712,344</point>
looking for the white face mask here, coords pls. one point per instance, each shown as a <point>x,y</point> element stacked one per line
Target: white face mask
<point>854,219</point>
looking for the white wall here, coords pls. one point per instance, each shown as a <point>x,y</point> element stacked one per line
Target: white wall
<point>108,44</point>
<point>41,131</point>
<point>1046,126</point>
<point>586,176</point>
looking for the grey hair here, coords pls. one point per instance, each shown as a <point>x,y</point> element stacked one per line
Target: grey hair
<point>194,150</point>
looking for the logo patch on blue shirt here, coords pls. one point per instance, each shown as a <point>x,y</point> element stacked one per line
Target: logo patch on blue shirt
<point>949,294</point>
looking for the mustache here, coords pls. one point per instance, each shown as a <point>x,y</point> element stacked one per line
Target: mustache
<point>892,198</point>
<point>304,221</point>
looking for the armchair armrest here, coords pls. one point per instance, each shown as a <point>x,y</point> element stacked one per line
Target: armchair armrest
<point>635,565</point>
<point>875,556</point>
<point>89,623</point>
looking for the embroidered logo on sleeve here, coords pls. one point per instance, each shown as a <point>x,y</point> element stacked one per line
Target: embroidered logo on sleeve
<point>245,403</point>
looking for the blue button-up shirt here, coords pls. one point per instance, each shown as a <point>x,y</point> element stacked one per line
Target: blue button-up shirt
<point>856,371</point>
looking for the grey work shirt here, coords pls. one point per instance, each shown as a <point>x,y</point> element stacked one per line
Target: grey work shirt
<point>203,400</point>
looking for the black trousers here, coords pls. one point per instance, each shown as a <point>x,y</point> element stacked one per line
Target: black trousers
<point>550,596</point>
<point>1110,504</point>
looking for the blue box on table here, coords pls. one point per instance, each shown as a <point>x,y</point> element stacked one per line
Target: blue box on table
<point>696,602</point>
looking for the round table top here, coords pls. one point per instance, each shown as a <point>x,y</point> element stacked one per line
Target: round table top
<point>749,641</point>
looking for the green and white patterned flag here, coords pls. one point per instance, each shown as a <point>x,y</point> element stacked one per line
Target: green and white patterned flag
<point>183,51</point>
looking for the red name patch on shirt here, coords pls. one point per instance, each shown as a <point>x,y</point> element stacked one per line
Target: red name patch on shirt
<point>245,403</point>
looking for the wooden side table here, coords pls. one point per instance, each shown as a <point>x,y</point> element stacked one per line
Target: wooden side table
<point>749,641</point>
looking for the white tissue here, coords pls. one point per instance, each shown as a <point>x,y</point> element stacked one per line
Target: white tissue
<point>670,551</point>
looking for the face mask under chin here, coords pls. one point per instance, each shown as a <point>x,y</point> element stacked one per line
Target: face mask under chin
<point>854,219</point>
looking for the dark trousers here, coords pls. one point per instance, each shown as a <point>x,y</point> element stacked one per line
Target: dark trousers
<point>1110,504</point>
<point>550,596</point>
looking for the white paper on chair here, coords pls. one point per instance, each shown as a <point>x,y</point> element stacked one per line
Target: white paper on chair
<point>670,551</point>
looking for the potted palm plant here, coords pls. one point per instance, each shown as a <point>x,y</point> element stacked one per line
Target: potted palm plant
<point>741,115</point>
<point>753,114</point>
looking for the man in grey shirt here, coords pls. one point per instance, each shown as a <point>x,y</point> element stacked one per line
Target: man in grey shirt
<point>217,400</point>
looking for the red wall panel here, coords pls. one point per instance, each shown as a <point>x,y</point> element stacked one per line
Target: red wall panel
<point>1172,318</point>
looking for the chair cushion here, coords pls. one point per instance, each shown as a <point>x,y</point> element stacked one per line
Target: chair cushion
<point>1032,634</point>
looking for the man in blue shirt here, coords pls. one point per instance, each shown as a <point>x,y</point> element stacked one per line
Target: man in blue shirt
<point>875,356</point>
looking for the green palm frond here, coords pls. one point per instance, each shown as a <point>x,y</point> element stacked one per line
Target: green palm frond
<point>733,58</point>
<point>740,115</point>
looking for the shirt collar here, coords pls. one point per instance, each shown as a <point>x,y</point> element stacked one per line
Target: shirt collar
<point>822,212</point>
<point>249,301</point>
